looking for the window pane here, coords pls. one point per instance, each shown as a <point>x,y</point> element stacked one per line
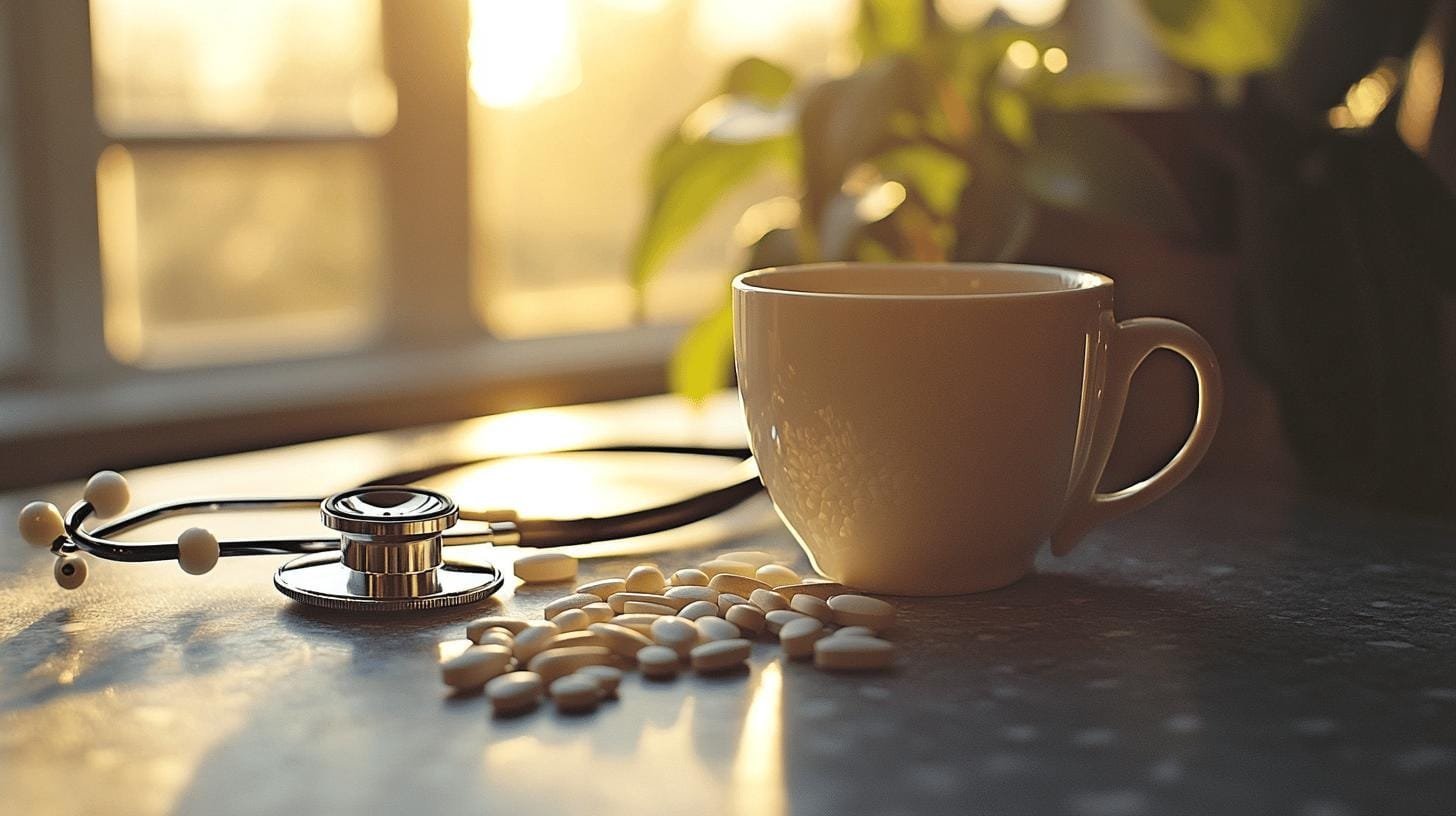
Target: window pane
<point>224,254</point>
<point>569,98</point>
<point>182,66</point>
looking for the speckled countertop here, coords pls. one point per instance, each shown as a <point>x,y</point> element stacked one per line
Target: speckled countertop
<point>1233,649</point>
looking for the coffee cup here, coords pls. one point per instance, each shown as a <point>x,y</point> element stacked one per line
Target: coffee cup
<point>923,429</point>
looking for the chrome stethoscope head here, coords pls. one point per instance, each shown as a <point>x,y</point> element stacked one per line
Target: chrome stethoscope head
<point>391,555</point>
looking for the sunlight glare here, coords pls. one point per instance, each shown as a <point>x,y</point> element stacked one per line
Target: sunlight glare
<point>758,770</point>
<point>1054,60</point>
<point>737,27</point>
<point>1034,12</point>
<point>522,53</point>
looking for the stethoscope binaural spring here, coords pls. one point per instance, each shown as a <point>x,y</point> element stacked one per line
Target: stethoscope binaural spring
<point>388,554</point>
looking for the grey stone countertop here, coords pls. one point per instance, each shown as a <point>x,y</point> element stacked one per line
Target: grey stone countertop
<point>1234,649</point>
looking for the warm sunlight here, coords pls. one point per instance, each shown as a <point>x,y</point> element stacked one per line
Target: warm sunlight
<point>522,53</point>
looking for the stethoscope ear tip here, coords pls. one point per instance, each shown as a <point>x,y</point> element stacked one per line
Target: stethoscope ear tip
<point>108,493</point>
<point>40,523</point>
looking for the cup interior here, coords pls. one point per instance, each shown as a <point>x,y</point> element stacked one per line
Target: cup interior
<point>939,280</point>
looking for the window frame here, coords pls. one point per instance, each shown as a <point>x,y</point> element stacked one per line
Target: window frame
<point>433,360</point>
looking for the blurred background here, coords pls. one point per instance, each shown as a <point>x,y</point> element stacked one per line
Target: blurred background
<point>230,225</point>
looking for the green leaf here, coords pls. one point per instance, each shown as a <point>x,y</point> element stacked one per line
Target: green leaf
<point>688,178</point>
<point>759,80</point>
<point>1012,115</point>
<point>1225,37</point>
<point>1090,163</point>
<point>936,176</point>
<point>889,27</point>
<point>701,362</point>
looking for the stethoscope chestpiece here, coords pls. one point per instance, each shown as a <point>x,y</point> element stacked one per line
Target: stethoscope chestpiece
<point>390,558</point>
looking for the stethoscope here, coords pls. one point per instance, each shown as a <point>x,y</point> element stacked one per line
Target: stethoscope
<point>389,552</point>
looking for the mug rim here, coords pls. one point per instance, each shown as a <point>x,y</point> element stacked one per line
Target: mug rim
<point>1086,280</point>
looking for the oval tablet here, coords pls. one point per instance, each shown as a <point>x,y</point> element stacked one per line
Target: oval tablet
<point>736,584</point>
<point>797,637</point>
<point>497,636</point>
<point>638,622</point>
<point>573,619</point>
<point>568,639</point>
<point>853,653</point>
<point>768,600</point>
<point>693,593</point>
<point>514,692</point>
<point>645,608</point>
<point>598,612</point>
<point>645,578</point>
<point>711,629</point>
<point>619,600</point>
<point>776,575</point>
<point>753,558</point>
<point>477,627</point>
<point>728,600</point>
<point>545,568</point>
<point>812,606</point>
<point>690,577</point>
<point>608,677</point>
<point>532,639</point>
<point>721,655</point>
<point>715,568</point>
<point>622,641</point>
<point>853,631</point>
<point>561,662</point>
<point>747,618</point>
<point>775,620</point>
<point>676,634</point>
<point>604,588</point>
<point>474,666</point>
<point>823,590</point>
<point>698,609</point>
<point>575,693</point>
<point>575,601</point>
<point>862,610</point>
<point>658,662</point>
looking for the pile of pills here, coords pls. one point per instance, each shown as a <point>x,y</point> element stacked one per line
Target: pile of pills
<point>702,619</point>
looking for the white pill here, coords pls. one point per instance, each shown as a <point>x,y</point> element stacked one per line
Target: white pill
<point>676,634</point>
<point>698,609</point>
<point>619,600</point>
<point>746,617</point>
<point>107,492</point>
<point>775,620</point>
<point>604,588</point>
<point>736,584</point>
<point>690,577</point>
<point>478,627</point>
<point>197,551</point>
<point>498,637</point>
<point>812,606</point>
<point>658,662</point>
<point>719,567</point>
<point>514,692</point>
<point>545,568</point>
<point>753,558</point>
<point>561,662</point>
<point>728,600</point>
<point>637,622</point>
<point>862,610</point>
<point>797,637</point>
<point>573,620</point>
<point>599,612</point>
<point>721,655</point>
<point>533,638</point>
<point>711,629</point>
<point>645,578</point>
<point>823,590</point>
<point>693,593</point>
<point>575,693</point>
<point>69,571</point>
<point>608,678</point>
<point>853,631</point>
<point>473,667</point>
<point>575,601</point>
<point>768,600</point>
<point>622,641</point>
<point>568,639</point>
<point>41,524</point>
<point>645,608</point>
<point>776,575</point>
<point>853,653</point>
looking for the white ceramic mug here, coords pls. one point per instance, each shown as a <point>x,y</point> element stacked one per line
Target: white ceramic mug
<point>924,428</point>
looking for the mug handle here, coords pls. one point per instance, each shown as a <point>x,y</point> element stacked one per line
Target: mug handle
<point>1131,343</point>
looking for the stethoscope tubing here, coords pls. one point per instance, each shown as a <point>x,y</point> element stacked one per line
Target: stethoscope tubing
<point>536,533</point>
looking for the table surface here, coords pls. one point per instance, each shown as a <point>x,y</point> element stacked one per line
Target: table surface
<point>1232,649</point>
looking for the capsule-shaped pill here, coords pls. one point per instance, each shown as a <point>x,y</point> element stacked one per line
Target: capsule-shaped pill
<point>720,655</point>
<point>477,627</point>
<point>598,612</point>
<point>623,642</point>
<point>797,637</point>
<point>604,588</point>
<point>747,618</point>
<point>575,693</point>
<point>573,619</point>
<point>545,568</point>
<point>693,593</point>
<point>608,678</point>
<point>853,653</point>
<point>714,628</point>
<point>561,662</point>
<point>690,577</point>
<point>768,600</point>
<point>698,609</point>
<point>569,639</point>
<point>862,610</point>
<point>474,666</point>
<point>645,578</point>
<point>812,606</point>
<point>736,584</point>
<point>514,692</point>
<point>658,662</point>
<point>775,620</point>
<point>618,601</point>
<point>776,575</point>
<point>719,567</point>
<point>533,639</point>
<point>676,634</point>
<point>728,600</point>
<point>823,590</point>
<point>575,601</point>
<point>853,631</point>
<point>635,621</point>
